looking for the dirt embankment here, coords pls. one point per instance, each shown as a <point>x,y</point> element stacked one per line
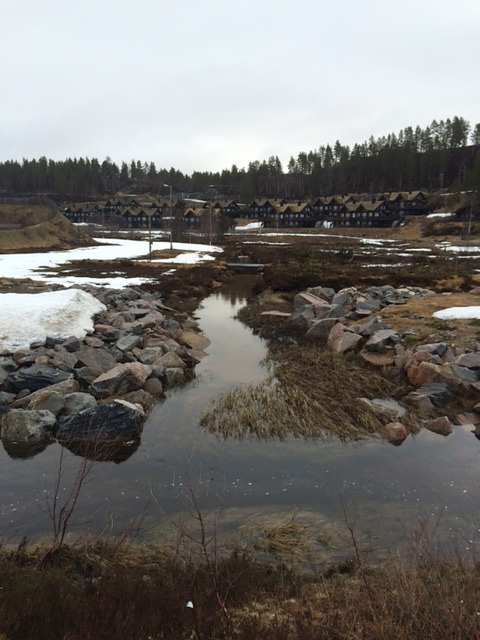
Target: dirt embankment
<point>36,228</point>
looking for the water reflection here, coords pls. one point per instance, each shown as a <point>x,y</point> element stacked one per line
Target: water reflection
<point>116,451</point>
<point>253,481</point>
<point>23,450</point>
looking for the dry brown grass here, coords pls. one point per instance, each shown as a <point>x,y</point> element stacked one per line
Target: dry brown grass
<point>93,594</point>
<point>313,394</point>
<point>417,315</point>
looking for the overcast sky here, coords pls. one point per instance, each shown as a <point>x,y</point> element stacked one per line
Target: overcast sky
<point>203,84</point>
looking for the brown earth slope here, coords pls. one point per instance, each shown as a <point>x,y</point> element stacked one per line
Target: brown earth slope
<point>36,228</point>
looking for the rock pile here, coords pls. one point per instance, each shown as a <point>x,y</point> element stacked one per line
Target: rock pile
<point>436,370</point>
<point>98,389</point>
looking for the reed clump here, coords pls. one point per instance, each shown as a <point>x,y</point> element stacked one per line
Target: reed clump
<point>312,393</point>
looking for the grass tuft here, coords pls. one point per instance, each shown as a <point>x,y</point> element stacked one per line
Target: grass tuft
<point>312,394</point>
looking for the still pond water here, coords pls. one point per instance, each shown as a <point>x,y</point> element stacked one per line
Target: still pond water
<point>255,483</point>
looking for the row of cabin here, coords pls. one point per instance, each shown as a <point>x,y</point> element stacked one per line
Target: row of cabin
<point>135,214</point>
<point>382,210</point>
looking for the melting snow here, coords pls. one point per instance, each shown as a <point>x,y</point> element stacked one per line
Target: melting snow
<point>25,318</point>
<point>453,313</point>
<point>33,265</point>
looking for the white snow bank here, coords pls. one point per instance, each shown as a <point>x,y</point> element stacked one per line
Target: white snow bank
<point>453,313</point>
<point>440,215</point>
<point>27,317</point>
<point>249,226</point>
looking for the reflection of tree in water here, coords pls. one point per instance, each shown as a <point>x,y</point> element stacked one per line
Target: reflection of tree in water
<point>116,451</point>
<point>239,289</point>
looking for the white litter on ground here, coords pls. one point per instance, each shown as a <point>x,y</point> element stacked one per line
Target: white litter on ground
<point>27,317</point>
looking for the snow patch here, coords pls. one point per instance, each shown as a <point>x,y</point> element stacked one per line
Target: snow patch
<point>455,313</point>
<point>27,317</point>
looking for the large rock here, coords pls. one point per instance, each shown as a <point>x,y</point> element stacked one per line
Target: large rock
<point>329,311</point>
<point>107,332</point>
<point>141,398</point>
<point>341,340</point>
<point>76,402</point>
<point>194,340</point>
<point>7,363</point>
<point>96,360</point>
<point>435,348</point>
<point>441,425</point>
<point>21,425</point>
<point>381,411</point>
<point>306,298</point>
<point>421,402</point>
<point>62,359</point>
<point>36,377</point>
<point>118,419</point>
<point>370,327</point>
<point>468,360</point>
<point>378,359</point>
<point>149,355</point>
<point>453,375</point>
<point>154,387</point>
<point>172,327</point>
<point>171,359</point>
<point>53,402</point>
<point>325,293</point>
<point>366,307</point>
<point>174,377</point>
<point>3,376</point>
<point>302,317</point>
<point>151,320</point>
<point>395,432</point>
<point>421,356</point>
<point>121,379</point>
<point>320,329</point>
<point>382,339</point>
<point>41,398</point>
<point>438,392</point>
<point>128,342</point>
<point>6,398</point>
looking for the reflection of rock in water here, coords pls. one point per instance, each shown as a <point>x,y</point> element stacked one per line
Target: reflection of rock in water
<point>20,450</point>
<point>107,451</point>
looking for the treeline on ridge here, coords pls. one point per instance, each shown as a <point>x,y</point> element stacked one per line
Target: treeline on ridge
<point>433,158</point>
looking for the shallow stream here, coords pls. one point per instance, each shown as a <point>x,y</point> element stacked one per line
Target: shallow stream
<point>385,489</point>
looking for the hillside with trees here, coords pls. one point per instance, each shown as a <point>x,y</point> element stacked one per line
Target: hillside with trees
<point>443,155</point>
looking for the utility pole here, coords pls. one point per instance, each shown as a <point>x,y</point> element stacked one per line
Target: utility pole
<point>150,238</point>
<point>210,220</point>
<point>470,214</point>
<point>171,218</point>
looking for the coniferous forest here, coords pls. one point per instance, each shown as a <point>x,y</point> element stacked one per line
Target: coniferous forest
<point>443,155</point>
